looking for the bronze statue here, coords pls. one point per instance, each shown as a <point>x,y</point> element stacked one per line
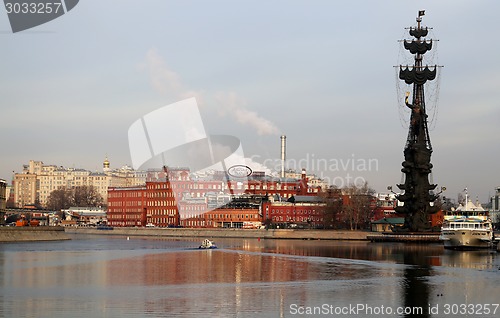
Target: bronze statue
<point>418,195</point>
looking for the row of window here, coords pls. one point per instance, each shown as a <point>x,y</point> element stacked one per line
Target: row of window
<point>127,203</point>
<point>162,203</point>
<point>127,223</point>
<point>191,216</point>
<point>468,226</point>
<point>170,212</point>
<point>192,207</point>
<point>237,216</point>
<point>117,211</point>
<point>281,211</point>
<point>162,194</point>
<point>218,186</point>
<point>159,185</point>
<point>279,218</point>
<point>121,216</point>
<point>162,221</point>
<point>125,194</point>
<point>191,223</point>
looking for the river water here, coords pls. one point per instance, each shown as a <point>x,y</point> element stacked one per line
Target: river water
<point>112,276</point>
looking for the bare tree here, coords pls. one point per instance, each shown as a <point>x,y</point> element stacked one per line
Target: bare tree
<point>60,199</point>
<point>333,199</point>
<point>86,196</point>
<point>64,198</point>
<point>357,209</point>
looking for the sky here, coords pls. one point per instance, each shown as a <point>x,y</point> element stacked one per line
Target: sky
<point>320,72</point>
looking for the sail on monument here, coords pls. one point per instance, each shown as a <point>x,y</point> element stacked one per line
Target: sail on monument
<point>417,195</point>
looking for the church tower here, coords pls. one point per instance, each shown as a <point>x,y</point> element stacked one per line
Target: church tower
<point>105,165</point>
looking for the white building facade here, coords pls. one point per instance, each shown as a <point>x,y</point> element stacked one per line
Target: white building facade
<point>35,183</point>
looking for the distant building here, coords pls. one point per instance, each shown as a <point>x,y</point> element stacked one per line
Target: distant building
<point>283,187</point>
<point>313,181</point>
<point>233,218</point>
<point>127,206</point>
<point>387,224</point>
<point>297,211</point>
<point>385,207</point>
<point>192,210</point>
<point>175,197</point>
<point>161,204</point>
<point>36,182</point>
<point>242,212</point>
<point>3,200</point>
<point>25,189</point>
<point>495,206</point>
<point>84,216</point>
<point>157,201</point>
<point>9,195</point>
<point>385,217</point>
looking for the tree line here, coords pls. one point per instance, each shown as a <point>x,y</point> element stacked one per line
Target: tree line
<point>80,196</point>
<point>350,207</point>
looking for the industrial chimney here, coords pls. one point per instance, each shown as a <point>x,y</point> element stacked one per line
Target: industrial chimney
<point>283,155</point>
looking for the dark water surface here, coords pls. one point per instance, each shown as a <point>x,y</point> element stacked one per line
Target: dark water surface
<point>110,276</point>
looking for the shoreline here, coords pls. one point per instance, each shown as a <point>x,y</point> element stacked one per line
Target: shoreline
<point>230,233</point>
<point>32,234</point>
<point>59,233</point>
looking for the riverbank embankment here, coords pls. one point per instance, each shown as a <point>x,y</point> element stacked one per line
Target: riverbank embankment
<point>230,233</point>
<point>30,234</point>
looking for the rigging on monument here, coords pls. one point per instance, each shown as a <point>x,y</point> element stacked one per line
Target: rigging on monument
<point>418,195</point>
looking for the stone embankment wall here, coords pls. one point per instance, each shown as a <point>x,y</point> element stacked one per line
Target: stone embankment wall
<point>30,234</point>
<point>235,233</point>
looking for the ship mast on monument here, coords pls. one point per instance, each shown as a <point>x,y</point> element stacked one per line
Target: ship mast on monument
<point>417,194</point>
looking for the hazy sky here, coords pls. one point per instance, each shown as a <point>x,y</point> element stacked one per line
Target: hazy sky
<point>320,72</point>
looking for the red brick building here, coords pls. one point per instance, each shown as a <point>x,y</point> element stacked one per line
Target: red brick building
<point>191,212</point>
<point>300,211</point>
<point>127,206</point>
<point>154,204</point>
<point>171,198</point>
<point>233,218</point>
<point>241,212</point>
<point>285,188</point>
<point>161,204</point>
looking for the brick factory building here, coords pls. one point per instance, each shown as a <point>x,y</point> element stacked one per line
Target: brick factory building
<point>154,204</point>
<point>241,212</point>
<point>298,211</point>
<point>127,206</point>
<point>161,204</point>
<point>173,198</point>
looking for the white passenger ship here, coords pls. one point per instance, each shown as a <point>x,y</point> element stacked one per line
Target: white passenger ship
<point>468,227</point>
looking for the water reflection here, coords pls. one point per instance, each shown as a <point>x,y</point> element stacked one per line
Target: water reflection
<point>380,252</point>
<point>480,259</point>
<point>114,277</point>
<point>421,285</point>
<point>415,281</point>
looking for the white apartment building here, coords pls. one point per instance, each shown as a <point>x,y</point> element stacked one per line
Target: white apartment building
<point>312,180</point>
<point>25,189</point>
<point>35,183</point>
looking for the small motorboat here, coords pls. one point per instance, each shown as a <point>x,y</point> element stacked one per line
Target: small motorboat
<point>207,244</point>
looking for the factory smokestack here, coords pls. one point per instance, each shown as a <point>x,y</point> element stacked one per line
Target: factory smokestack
<point>283,155</point>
